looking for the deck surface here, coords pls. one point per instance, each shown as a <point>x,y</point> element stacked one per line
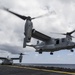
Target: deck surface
<point>19,70</point>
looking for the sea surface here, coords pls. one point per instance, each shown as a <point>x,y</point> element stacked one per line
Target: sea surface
<point>71,66</point>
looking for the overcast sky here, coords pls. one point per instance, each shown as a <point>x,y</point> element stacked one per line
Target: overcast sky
<point>61,19</point>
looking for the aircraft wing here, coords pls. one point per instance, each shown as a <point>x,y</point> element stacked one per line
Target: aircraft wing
<point>40,36</point>
<point>2,58</point>
<point>15,58</point>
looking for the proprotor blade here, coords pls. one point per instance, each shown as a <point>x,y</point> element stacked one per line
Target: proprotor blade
<point>68,33</point>
<point>58,33</point>
<point>22,54</point>
<point>71,32</point>
<point>18,15</point>
<point>40,16</point>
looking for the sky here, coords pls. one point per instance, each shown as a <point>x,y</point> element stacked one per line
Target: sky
<point>61,19</point>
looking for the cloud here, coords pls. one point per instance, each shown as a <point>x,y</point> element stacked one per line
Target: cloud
<point>70,54</point>
<point>66,1</point>
<point>11,48</point>
<point>36,55</point>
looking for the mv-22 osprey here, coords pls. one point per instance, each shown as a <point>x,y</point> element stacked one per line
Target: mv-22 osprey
<point>48,43</point>
<point>9,61</point>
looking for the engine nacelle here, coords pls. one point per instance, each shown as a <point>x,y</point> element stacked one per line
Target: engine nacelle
<point>28,30</point>
<point>20,58</point>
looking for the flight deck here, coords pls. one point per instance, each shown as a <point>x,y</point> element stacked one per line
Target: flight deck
<point>26,70</point>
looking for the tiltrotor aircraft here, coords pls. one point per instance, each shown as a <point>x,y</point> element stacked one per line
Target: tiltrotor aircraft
<point>9,61</point>
<point>48,43</point>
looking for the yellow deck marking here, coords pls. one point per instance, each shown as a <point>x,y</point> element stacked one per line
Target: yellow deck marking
<point>43,70</point>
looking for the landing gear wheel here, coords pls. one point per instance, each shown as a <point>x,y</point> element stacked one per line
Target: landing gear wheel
<point>51,53</point>
<point>40,51</point>
<point>72,50</point>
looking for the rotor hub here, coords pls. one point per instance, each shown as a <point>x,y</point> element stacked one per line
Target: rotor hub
<point>29,18</point>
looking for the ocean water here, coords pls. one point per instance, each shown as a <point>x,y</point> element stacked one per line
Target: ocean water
<point>71,66</point>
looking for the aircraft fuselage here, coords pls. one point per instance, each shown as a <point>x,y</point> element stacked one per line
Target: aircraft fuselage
<point>56,45</point>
